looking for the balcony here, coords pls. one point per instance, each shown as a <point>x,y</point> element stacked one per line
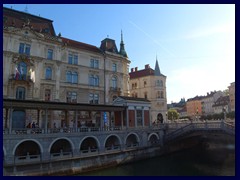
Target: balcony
<point>115,89</point>
<point>21,79</point>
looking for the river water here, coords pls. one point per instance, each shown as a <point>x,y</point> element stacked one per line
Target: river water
<point>190,162</point>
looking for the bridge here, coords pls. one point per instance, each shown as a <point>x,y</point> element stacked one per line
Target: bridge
<point>42,149</point>
<point>180,130</point>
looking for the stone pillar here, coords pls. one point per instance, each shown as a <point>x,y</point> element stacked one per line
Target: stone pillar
<point>10,120</point>
<point>6,118</point>
<point>101,123</point>
<point>46,121</point>
<point>75,122</point>
<point>127,119</point>
<point>149,113</point>
<point>110,119</point>
<point>135,118</point>
<point>66,118</point>
<point>38,116</point>
<point>121,119</point>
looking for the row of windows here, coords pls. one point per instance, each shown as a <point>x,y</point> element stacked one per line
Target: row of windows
<point>159,95</point>
<point>71,96</point>
<point>72,58</point>
<point>71,77</point>
<point>158,83</point>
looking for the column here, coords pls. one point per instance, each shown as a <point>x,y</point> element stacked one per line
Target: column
<point>135,118</point>
<point>127,118</point>
<point>10,120</point>
<point>150,124</point>
<point>66,119</point>
<point>38,116</point>
<point>6,118</point>
<point>121,119</point>
<point>46,121</point>
<point>75,122</point>
<point>110,120</point>
<point>101,123</point>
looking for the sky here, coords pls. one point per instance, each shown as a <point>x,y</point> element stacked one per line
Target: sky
<point>194,43</point>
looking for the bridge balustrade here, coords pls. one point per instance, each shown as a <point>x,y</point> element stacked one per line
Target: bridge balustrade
<point>26,159</point>
<point>89,151</point>
<point>200,126</point>
<point>61,155</point>
<point>110,148</point>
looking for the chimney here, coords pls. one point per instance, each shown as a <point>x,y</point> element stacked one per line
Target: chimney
<point>132,69</point>
<point>147,66</point>
<point>136,69</point>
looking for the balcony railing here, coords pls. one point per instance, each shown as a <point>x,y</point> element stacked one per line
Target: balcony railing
<point>115,89</point>
<point>22,77</point>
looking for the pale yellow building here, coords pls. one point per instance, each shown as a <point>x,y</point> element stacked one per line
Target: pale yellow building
<point>151,85</point>
<point>40,65</point>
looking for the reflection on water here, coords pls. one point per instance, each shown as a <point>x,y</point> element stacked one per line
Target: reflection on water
<point>192,162</point>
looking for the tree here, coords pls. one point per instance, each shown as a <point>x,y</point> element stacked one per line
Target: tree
<point>226,92</point>
<point>172,114</point>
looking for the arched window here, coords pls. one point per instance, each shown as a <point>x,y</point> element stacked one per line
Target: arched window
<point>114,82</point>
<point>69,76</point>
<point>20,93</point>
<point>74,77</point>
<point>48,73</point>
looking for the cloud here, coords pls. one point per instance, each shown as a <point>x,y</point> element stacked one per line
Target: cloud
<point>153,39</point>
<point>198,79</point>
<point>208,31</point>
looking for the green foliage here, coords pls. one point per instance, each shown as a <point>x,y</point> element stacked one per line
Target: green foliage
<point>173,114</point>
<point>231,115</point>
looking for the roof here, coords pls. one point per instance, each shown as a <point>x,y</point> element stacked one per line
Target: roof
<point>33,104</point>
<point>195,98</point>
<point>141,73</point>
<point>80,45</point>
<point>109,45</point>
<point>18,19</point>
<point>222,100</point>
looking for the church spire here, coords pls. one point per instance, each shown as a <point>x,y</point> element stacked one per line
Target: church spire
<point>157,69</point>
<point>122,49</point>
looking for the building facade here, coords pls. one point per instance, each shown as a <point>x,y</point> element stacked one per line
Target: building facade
<point>194,107</point>
<point>221,105</point>
<point>232,96</point>
<point>151,85</point>
<point>40,65</point>
<point>208,101</point>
